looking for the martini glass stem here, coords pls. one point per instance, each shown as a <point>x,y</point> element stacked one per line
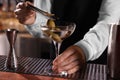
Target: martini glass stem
<point>57,47</point>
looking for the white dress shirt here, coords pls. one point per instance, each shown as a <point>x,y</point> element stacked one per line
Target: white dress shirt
<point>34,29</point>
<point>96,39</point>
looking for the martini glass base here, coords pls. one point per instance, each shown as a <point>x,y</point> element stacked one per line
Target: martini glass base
<point>48,71</point>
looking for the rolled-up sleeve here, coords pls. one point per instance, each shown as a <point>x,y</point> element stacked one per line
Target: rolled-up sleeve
<point>96,39</point>
<point>34,29</point>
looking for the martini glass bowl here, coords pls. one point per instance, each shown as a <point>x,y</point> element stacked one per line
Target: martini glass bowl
<point>60,32</point>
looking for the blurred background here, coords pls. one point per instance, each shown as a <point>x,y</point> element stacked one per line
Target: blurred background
<point>25,45</point>
<point>7,17</point>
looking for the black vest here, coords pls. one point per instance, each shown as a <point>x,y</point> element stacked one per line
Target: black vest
<point>83,12</point>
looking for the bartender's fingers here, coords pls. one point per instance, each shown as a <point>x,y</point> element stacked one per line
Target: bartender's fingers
<point>69,66</point>
<point>69,60</point>
<point>73,52</point>
<point>25,15</point>
<point>22,8</point>
<point>73,70</point>
<point>26,20</point>
<point>21,5</point>
<point>64,55</point>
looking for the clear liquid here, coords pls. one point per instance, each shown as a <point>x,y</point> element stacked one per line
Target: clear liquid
<point>57,35</point>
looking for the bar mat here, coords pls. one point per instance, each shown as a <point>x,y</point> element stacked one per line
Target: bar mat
<point>36,66</point>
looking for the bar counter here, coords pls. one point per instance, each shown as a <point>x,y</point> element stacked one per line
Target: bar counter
<point>17,76</point>
<point>32,69</point>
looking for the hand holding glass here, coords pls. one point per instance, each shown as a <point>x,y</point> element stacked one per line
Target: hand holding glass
<point>57,34</point>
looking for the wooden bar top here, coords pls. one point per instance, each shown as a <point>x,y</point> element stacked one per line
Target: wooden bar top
<point>17,76</point>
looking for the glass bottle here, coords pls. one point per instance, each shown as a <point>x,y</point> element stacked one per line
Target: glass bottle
<point>113,56</point>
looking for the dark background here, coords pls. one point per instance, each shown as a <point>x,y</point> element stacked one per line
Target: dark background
<point>82,12</point>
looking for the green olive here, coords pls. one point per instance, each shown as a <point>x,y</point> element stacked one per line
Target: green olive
<point>51,23</point>
<point>56,37</point>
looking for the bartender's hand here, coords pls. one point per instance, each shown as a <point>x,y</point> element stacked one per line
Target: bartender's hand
<point>24,14</point>
<point>71,60</point>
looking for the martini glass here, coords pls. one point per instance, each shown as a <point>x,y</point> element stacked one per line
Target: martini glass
<point>57,35</point>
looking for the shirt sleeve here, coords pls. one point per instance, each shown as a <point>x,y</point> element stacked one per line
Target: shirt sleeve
<point>96,39</point>
<point>34,29</point>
